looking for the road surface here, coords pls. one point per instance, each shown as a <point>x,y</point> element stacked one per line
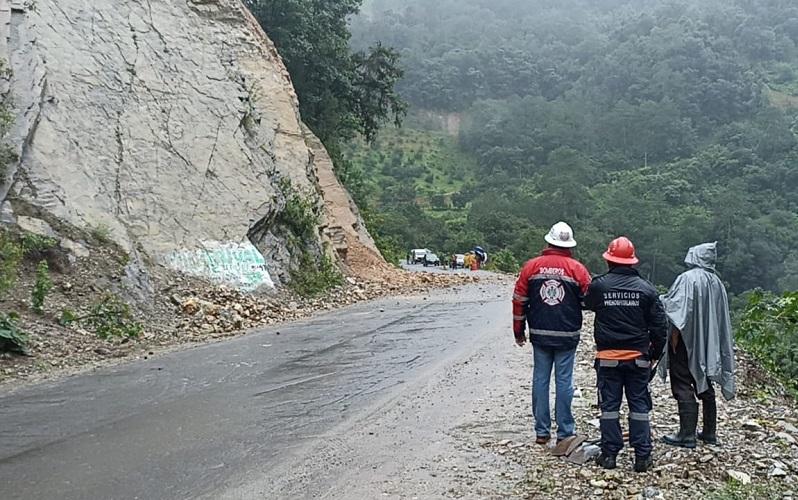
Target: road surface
<point>386,399</point>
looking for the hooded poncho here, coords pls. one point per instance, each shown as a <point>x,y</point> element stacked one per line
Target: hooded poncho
<point>698,306</point>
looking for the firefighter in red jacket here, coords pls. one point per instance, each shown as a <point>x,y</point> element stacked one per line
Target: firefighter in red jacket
<point>548,297</point>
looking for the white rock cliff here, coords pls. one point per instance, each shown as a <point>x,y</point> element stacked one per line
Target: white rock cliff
<point>170,122</point>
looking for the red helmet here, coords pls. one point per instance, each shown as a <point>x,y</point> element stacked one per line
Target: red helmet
<point>621,251</point>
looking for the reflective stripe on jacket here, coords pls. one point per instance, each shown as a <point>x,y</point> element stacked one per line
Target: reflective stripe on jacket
<point>548,297</point>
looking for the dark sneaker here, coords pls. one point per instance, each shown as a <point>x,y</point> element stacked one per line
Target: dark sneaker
<point>542,440</point>
<point>643,464</point>
<point>606,461</point>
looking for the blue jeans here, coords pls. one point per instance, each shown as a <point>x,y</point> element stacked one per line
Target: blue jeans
<point>563,364</point>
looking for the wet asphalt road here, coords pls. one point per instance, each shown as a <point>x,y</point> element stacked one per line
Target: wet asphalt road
<point>229,419</point>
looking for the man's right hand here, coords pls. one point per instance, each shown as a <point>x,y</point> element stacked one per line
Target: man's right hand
<point>520,339</point>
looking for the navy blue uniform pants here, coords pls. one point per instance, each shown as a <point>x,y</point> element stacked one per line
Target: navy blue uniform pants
<point>614,379</point>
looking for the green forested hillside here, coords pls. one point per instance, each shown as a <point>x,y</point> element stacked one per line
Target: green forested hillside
<point>669,121</point>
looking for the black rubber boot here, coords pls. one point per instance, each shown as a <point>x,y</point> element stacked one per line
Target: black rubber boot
<point>709,433</point>
<point>643,464</point>
<point>606,461</point>
<point>688,421</point>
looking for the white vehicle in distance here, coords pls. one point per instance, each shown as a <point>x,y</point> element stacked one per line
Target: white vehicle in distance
<point>417,255</point>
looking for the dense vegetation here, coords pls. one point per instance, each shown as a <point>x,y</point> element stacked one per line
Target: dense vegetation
<point>341,93</point>
<point>768,328</point>
<point>668,121</point>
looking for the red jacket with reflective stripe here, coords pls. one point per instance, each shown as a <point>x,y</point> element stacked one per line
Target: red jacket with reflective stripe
<point>548,296</point>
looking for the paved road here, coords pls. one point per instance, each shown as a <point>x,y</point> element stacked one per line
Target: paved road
<point>341,406</point>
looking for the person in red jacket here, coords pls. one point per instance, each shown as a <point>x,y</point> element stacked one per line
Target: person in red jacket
<point>548,297</point>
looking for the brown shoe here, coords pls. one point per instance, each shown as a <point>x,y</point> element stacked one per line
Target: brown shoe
<point>542,440</point>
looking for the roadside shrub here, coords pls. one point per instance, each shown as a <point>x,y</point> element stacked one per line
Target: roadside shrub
<point>503,261</point>
<point>35,244</point>
<point>768,329</point>
<point>41,287</point>
<point>7,153</point>
<point>300,215</point>
<point>11,254</point>
<point>12,338</point>
<point>108,318</point>
<point>314,277</point>
<point>101,232</point>
<point>734,490</point>
<point>68,316</point>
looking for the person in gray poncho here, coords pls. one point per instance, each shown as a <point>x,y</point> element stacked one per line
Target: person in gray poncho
<point>700,348</point>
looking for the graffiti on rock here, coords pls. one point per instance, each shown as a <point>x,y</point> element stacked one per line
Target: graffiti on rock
<point>240,265</point>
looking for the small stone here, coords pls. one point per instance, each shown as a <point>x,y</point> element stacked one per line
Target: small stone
<point>785,437</point>
<point>585,473</point>
<point>102,351</point>
<point>505,442</point>
<point>752,425</point>
<point>787,427</point>
<point>706,458</point>
<point>740,477</point>
<point>191,306</point>
<point>598,483</point>
<point>777,472</point>
<point>651,492</point>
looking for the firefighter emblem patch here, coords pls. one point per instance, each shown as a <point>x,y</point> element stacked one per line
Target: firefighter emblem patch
<point>552,292</point>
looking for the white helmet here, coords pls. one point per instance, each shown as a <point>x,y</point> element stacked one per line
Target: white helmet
<point>561,235</point>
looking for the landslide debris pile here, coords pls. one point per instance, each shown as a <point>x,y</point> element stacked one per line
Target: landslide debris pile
<point>757,457</point>
<point>220,311</point>
<point>177,310</point>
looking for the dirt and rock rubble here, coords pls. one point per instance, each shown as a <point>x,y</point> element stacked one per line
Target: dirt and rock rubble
<point>180,310</point>
<point>757,456</point>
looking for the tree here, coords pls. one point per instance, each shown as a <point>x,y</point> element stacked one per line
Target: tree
<point>671,122</point>
<point>340,93</point>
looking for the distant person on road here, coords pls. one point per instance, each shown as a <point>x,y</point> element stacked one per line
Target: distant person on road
<point>548,297</point>
<point>481,256</point>
<point>700,347</point>
<point>630,330</point>
<point>470,259</point>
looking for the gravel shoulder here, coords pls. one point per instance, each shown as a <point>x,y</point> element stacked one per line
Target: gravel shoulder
<point>758,433</point>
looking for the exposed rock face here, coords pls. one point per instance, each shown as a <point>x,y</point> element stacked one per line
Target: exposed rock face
<point>169,122</point>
